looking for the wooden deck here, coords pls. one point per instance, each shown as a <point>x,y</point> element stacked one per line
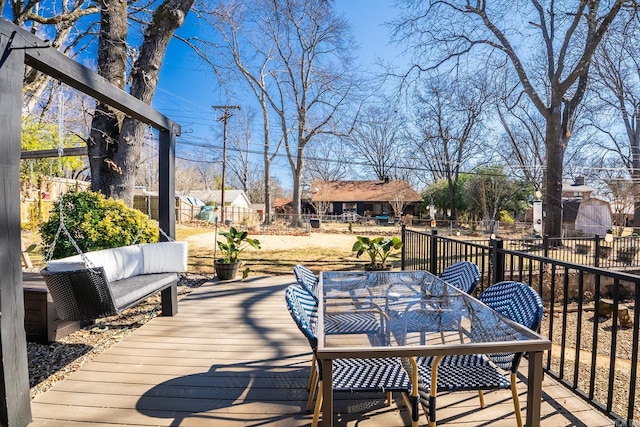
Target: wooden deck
<point>233,357</point>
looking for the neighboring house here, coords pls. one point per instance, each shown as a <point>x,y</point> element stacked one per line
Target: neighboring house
<point>231,197</point>
<point>577,189</point>
<point>583,213</point>
<point>365,198</point>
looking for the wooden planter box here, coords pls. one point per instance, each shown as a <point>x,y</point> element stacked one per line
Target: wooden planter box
<point>41,322</point>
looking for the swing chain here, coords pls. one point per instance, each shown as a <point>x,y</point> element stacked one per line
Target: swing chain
<point>62,227</point>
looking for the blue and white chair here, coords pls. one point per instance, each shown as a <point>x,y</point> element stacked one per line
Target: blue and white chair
<point>349,375</point>
<point>514,300</point>
<point>306,279</point>
<point>463,275</point>
<point>362,322</point>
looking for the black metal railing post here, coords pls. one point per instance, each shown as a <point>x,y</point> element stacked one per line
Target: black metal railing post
<point>433,251</point>
<point>596,261</point>
<point>403,237</point>
<point>497,260</point>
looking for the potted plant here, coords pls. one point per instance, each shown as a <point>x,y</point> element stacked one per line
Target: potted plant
<point>233,244</point>
<point>378,250</point>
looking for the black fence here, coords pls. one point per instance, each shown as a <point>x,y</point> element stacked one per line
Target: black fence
<point>590,312</point>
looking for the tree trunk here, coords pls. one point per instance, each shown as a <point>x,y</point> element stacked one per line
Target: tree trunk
<point>105,126</point>
<point>556,145</point>
<point>635,172</point>
<point>296,221</point>
<point>115,144</point>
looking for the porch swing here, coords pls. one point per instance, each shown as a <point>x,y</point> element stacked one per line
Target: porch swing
<point>97,284</point>
<point>103,283</point>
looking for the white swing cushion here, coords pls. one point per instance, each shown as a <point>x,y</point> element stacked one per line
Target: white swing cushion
<point>164,257</point>
<point>118,263</point>
<point>128,261</point>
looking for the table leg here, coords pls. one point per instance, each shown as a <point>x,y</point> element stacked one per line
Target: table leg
<point>327,392</point>
<point>534,389</point>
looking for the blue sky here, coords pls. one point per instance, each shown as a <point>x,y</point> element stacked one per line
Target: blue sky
<point>187,88</point>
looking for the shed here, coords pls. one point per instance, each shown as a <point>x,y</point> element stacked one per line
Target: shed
<point>590,216</point>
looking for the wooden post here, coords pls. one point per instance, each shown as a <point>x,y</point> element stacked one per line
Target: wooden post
<point>166,183</point>
<point>15,409</point>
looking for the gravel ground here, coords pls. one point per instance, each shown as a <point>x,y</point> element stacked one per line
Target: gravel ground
<point>621,348</point>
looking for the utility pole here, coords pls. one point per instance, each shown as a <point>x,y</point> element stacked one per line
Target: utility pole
<point>226,115</point>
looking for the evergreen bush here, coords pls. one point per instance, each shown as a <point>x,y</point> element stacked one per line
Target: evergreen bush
<point>95,223</point>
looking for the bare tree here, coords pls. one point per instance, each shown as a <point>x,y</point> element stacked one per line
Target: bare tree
<point>243,51</point>
<point>379,139</point>
<point>522,145</point>
<point>312,83</point>
<point>64,24</point>
<point>327,159</point>
<point>398,203</point>
<point>548,45</point>
<point>617,89</point>
<point>240,135</point>
<point>448,125</point>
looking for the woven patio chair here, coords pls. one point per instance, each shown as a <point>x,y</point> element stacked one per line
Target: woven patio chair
<point>514,300</point>
<point>419,318</point>
<point>463,275</point>
<point>349,375</point>
<point>364,321</point>
<point>306,279</point>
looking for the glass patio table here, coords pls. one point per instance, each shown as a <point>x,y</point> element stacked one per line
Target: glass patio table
<point>419,315</point>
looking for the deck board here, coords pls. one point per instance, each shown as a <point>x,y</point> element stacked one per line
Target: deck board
<point>233,357</point>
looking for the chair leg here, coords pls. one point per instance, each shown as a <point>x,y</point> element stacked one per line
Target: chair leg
<point>481,397</point>
<point>389,398</point>
<point>516,401</point>
<point>313,390</point>
<point>316,412</point>
<point>433,391</point>
<point>312,372</point>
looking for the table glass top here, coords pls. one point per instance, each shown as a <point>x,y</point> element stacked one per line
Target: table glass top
<point>406,308</point>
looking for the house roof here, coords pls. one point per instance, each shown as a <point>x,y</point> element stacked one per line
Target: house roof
<point>231,197</point>
<point>572,187</point>
<point>363,191</point>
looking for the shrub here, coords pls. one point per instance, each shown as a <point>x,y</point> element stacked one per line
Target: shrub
<point>95,223</point>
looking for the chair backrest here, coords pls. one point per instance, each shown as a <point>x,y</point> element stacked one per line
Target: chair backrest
<point>463,275</point>
<point>306,279</point>
<point>516,301</point>
<point>303,308</point>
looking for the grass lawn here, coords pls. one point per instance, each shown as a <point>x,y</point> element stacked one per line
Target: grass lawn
<point>326,249</point>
